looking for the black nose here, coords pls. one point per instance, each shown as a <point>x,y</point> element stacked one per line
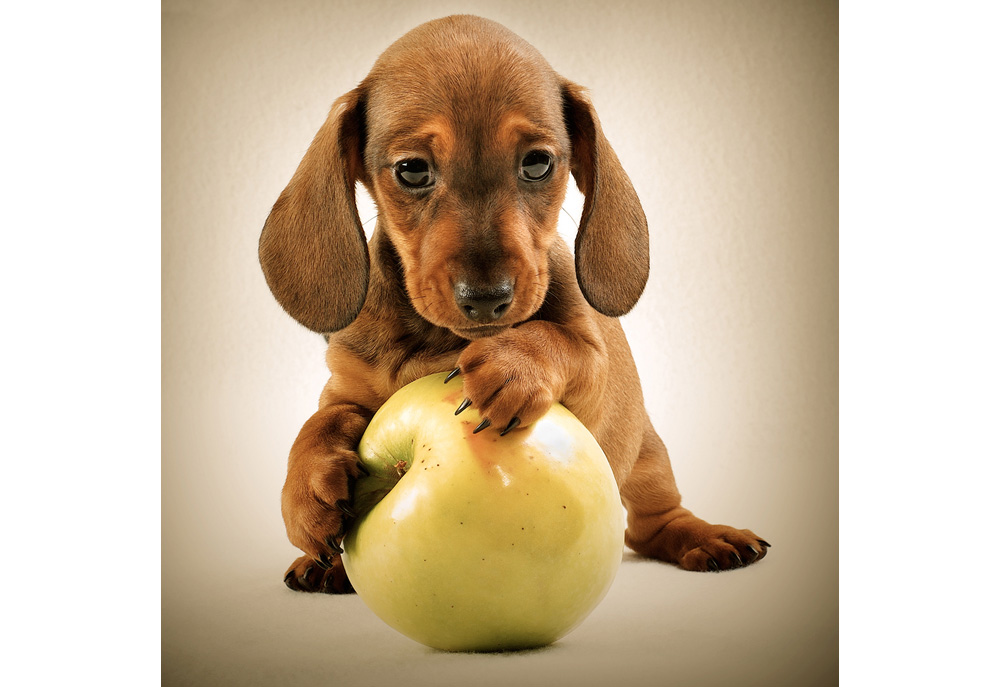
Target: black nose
<point>484,304</point>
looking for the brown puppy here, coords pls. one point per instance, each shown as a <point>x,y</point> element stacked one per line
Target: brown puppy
<point>466,138</point>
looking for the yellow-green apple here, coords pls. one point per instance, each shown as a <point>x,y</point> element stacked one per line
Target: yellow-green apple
<point>475,541</point>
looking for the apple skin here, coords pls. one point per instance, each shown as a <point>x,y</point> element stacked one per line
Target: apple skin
<point>477,542</point>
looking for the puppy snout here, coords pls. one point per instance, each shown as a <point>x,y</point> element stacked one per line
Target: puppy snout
<point>484,304</point>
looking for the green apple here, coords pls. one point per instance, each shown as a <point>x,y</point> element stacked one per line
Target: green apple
<point>477,542</point>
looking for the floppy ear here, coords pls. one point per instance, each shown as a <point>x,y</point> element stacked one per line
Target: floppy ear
<point>312,248</point>
<point>612,243</point>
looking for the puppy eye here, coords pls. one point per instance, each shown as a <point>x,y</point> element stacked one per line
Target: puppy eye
<point>414,173</point>
<point>535,166</point>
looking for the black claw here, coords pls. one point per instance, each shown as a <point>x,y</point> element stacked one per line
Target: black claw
<point>735,558</point>
<point>482,425</point>
<point>463,405</point>
<point>289,576</point>
<point>333,545</point>
<point>763,543</point>
<point>325,561</point>
<point>754,552</point>
<point>713,565</point>
<point>344,506</point>
<point>304,577</point>
<point>451,375</point>
<point>511,425</point>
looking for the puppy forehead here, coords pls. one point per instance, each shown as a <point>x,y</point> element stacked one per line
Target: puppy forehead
<point>445,136</point>
<point>461,76</point>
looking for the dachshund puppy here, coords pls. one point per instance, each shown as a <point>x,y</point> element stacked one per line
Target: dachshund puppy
<point>466,138</point>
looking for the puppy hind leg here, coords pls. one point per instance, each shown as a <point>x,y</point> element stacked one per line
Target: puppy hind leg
<point>658,527</point>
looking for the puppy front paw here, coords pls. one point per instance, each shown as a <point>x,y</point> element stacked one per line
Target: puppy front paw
<point>315,504</point>
<point>505,384</point>
<point>306,575</point>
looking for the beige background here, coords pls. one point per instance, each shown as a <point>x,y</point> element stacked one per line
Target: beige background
<point>725,116</point>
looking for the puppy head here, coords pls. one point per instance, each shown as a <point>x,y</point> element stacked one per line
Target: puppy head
<point>465,137</point>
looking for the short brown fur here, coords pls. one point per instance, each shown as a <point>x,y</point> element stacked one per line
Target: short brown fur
<point>472,100</point>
